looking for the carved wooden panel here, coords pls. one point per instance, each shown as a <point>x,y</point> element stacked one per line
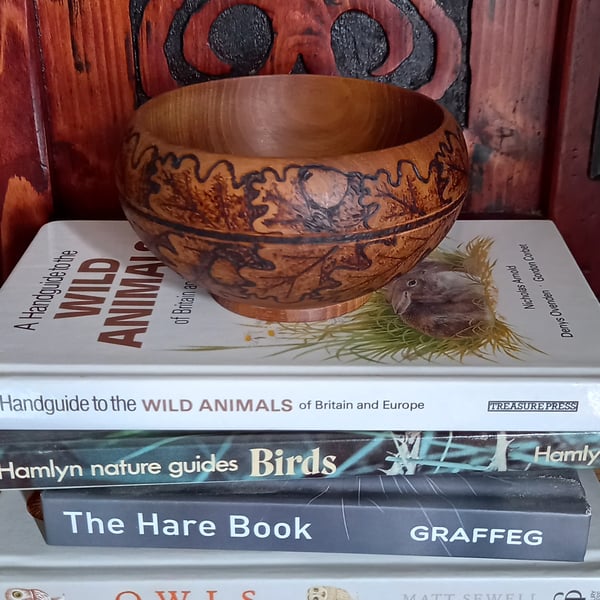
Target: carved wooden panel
<point>411,44</point>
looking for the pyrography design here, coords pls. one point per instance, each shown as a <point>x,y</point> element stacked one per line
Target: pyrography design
<point>284,233</point>
<point>379,333</point>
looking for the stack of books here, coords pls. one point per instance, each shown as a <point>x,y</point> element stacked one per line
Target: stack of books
<point>441,440</point>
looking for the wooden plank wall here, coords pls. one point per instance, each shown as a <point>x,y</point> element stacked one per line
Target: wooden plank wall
<point>25,199</point>
<point>574,167</point>
<point>89,92</point>
<point>511,54</point>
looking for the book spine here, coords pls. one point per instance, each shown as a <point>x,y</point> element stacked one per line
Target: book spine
<point>149,586</point>
<point>299,402</point>
<point>32,459</point>
<point>366,516</point>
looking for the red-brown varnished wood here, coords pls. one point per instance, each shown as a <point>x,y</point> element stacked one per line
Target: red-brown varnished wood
<point>303,29</point>
<point>574,196</point>
<point>25,202</point>
<point>512,53</point>
<point>86,52</point>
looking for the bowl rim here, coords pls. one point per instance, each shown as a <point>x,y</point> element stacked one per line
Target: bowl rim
<point>137,124</point>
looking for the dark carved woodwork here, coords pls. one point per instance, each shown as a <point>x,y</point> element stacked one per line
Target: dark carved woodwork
<point>390,41</point>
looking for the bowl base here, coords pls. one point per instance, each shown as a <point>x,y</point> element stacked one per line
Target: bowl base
<point>292,315</point>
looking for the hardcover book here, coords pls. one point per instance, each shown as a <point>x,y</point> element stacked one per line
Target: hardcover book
<point>495,330</point>
<point>71,458</point>
<point>541,516</point>
<point>30,568</point>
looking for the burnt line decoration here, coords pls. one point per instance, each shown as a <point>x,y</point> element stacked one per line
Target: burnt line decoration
<point>272,270</point>
<point>284,234</point>
<point>351,38</point>
<point>356,198</point>
<point>464,324</point>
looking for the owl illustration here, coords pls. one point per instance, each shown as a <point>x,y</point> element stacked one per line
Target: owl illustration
<point>326,592</point>
<point>29,594</point>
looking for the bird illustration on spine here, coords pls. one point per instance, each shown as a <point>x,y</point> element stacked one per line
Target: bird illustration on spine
<point>326,592</point>
<point>29,594</point>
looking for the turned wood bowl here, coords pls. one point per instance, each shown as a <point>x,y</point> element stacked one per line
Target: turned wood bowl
<point>292,197</point>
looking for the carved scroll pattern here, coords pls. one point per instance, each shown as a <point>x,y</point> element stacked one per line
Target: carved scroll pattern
<point>417,44</point>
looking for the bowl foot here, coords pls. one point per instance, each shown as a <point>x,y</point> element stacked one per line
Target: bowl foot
<point>292,315</point>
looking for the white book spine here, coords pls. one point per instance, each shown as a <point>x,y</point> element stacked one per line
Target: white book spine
<point>300,403</point>
<point>293,587</point>
<point>350,402</point>
<point>98,333</point>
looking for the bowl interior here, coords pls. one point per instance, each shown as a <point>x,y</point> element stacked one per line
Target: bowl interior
<point>283,116</point>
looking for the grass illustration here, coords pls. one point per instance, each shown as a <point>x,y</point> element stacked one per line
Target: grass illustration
<point>375,333</point>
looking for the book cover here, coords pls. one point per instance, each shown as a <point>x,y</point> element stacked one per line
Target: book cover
<point>98,334</point>
<point>27,563</point>
<point>71,458</point>
<point>536,516</point>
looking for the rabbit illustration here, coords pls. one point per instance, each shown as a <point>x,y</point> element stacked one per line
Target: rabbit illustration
<point>439,301</point>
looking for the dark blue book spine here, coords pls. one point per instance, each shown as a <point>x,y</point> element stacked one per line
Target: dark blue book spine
<point>541,516</point>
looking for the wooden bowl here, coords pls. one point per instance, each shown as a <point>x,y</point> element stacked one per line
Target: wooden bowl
<point>292,197</point>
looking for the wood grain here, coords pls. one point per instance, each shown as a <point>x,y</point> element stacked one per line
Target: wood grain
<point>89,95</point>
<point>25,202</point>
<point>91,52</point>
<point>574,196</point>
<point>512,50</point>
<point>257,189</point>
<point>302,29</point>
<point>101,59</point>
